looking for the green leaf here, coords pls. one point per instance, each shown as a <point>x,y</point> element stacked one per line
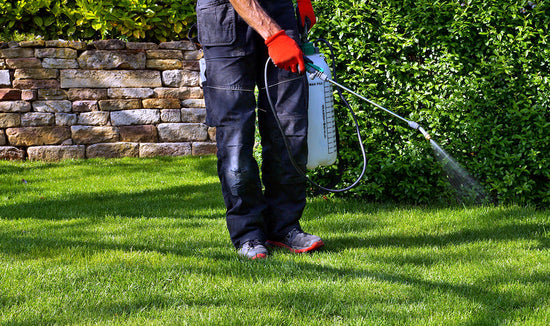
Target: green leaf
<point>38,21</point>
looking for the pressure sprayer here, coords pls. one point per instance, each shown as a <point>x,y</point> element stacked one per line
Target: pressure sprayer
<point>322,133</point>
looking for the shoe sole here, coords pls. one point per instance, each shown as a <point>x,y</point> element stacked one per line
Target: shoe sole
<point>258,256</point>
<point>313,247</point>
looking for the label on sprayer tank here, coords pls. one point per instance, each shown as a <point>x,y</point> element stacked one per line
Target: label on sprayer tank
<point>321,135</point>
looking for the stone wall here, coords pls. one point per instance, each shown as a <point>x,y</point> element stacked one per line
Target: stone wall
<point>65,99</point>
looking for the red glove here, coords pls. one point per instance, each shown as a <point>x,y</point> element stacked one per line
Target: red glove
<point>305,9</point>
<point>285,52</point>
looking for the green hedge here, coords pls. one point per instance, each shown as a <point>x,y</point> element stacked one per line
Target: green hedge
<point>474,73</point>
<point>133,20</point>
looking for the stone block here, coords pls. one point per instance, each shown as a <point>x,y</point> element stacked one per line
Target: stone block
<point>52,106</point>
<point>36,119</point>
<point>2,137</point>
<point>177,45</point>
<point>190,78</point>
<point>164,54</point>
<point>52,94</point>
<point>193,115</point>
<point>109,44</point>
<point>85,106</point>
<point>121,59</point>
<point>94,135</point>
<point>11,153</point>
<point>29,94</point>
<point>164,64</point>
<point>170,115</point>
<point>77,94</point>
<point>55,63</point>
<point>203,148</point>
<point>126,93</point>
<point>97,118</point>
<point>116,150</point>
<point>175,78</point>
<point>15,106</point>
<point>10,94</point>
<point>56,153</point>
<point>77,45</point>
<point>135,117</point>
<point>195,93</point>
<point>192,55</point>
<point>164,149</point>
<point>193,103</point>
<point>35,83</point>
<point>180,78</point>
<point>182,132</point>
<point>23,63</point>
<point>32,44</point>
<point>10,53</point>
<point>168,92</point>
<point>65,119</point>
<point>212,133</point>
<point>141,46</point>
<point>192,65</point>
<point>36,73</point>
<point>3,64</point>
<point>139,134</point>
<point>161,103</point>
<point>9,120</point>
<point>58,53</point>
<point>71,78</point>
<point>33,136</point>
<point>5,79</point>
<point>117,105</point>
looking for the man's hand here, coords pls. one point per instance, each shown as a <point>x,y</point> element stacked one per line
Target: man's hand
<point>285,52</point>
<point>305,10</point>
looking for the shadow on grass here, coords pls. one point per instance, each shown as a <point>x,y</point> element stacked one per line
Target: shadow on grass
<point>69,220</point>
<point>504,224</point>
<point>491,304</point>
<point>517,231</point>
<point>74,199</point>
<point>186,201</point>
<point>19,178</point>
<point>199,206</point>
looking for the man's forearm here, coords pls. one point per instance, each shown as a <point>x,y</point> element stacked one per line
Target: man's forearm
<point>256,17</point>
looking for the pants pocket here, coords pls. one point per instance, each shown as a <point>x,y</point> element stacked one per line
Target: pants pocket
<point>216,21</point>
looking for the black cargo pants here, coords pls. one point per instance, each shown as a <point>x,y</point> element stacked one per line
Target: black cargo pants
<point>235,58</point>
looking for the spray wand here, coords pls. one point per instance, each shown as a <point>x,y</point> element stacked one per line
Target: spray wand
<point>317,72</point>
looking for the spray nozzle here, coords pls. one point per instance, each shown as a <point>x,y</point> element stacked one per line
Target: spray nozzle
<point>416,126</point>
<point>424,133</point>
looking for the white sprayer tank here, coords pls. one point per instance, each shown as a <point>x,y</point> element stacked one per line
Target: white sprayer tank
<point>321,133</point>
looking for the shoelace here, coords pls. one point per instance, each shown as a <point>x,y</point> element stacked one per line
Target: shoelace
<point>254,243</point>
<point>292,234</point>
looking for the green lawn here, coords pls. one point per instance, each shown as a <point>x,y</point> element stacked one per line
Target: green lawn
<point>143,241</point>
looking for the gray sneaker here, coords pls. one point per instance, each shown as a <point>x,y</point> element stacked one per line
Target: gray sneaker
<point>253,249</point>
<point>298,241</point>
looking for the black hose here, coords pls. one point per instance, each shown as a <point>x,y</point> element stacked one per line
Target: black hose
<point>287,145</point>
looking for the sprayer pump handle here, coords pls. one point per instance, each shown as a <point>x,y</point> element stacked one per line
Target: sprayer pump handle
<point>311,67</point>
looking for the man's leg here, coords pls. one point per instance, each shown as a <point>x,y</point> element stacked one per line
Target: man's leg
<point>230,105</point>
<point>231,108</point>
<point>284,187</point>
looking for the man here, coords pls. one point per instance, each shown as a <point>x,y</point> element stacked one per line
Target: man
<point>237,37</point>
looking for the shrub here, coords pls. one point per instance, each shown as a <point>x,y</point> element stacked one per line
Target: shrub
<point>474,73</point>
<point>133,20</point>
